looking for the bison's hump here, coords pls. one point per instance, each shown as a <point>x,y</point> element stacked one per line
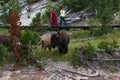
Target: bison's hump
<point>47,35</point>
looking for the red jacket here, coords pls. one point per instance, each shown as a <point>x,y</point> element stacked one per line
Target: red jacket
<point>54,21</point>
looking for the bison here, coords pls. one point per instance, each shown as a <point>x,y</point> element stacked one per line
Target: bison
<point>61,39</point>
<point>4,39</point>
<point>58,39</point>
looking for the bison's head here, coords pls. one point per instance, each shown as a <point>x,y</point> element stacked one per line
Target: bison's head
<point>54,40</point>
<point>60,39</point>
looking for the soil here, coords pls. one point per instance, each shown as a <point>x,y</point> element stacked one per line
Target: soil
<point>51,72</point>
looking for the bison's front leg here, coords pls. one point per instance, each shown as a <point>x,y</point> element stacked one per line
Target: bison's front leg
<point>63,48</point>
<point>60,48</point>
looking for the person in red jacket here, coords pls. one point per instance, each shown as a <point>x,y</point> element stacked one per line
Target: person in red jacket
<point>54,17</point>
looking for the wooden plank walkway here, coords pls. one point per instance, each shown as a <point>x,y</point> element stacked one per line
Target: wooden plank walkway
<point>62,27</point>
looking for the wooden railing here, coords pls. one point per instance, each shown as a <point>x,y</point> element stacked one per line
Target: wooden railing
<point>62,27</point>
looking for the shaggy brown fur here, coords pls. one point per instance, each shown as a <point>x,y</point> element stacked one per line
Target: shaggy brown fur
<point>53,39</point>
<point>4,39</point>
<point>61,39</point>
<point>46,43</point>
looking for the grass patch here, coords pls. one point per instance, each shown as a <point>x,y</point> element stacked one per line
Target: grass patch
<point>80,34</point>
<point>3,31</point>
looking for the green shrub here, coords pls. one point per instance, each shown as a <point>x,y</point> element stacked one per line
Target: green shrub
<point>75,5</point>
<point>75,57</point>
<point>96,31</point>
<point>112,68</point>
<point>3,53</point>
<point>104,45</point>
<point>12,4</point>
<point>37,22</point>
<point>47,14</point>
<point>89,50</point>
<point>115,44</point>
<point>30,37</point>
<point>107,46</point>
<point>40,63</point>
<point>99,30</point>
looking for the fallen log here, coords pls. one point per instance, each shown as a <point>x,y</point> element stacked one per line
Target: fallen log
<point>68,76</point>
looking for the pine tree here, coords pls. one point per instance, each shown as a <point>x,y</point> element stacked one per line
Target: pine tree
<point>7,7</point>
<point>15,34</point>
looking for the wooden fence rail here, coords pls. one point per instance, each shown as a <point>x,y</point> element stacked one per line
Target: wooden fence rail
<point>62,27</point>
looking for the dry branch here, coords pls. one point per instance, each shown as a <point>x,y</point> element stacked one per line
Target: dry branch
<point>59,71</point>
<point>76,16</point>
<point>69,76</point>
<point>81,73</point>
<point>52,76</point>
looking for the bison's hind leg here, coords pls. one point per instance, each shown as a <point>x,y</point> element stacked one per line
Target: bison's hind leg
<point>43,46</point>
<point>49,48</point>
